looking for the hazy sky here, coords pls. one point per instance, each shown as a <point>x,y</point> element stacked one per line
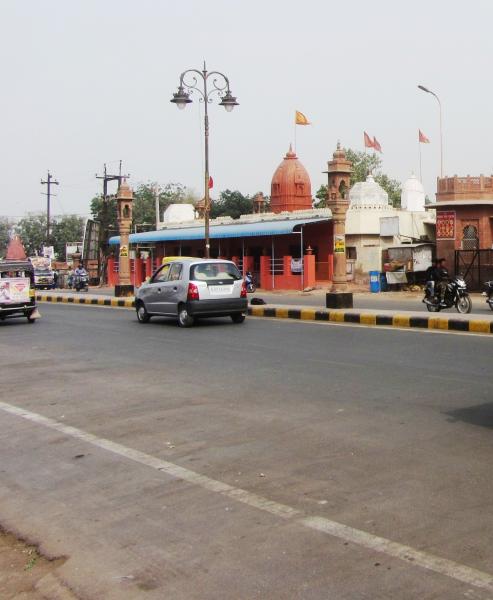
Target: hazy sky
<point>87,82</point>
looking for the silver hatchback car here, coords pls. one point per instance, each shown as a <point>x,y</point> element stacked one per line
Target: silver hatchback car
<point>192,288</point>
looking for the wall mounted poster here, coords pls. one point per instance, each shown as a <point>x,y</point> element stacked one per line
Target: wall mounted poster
<point>446,225</point>
<point>339,244</point>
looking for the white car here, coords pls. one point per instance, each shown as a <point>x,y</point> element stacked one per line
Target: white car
<point>190,288</point>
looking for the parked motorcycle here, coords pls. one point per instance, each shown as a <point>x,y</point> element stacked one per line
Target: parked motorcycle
<point>456,295</point>
<point>250,286</point>
<point>81,283</point>
<point>489,293</point>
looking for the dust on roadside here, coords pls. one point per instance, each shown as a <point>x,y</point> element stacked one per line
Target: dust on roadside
<point>21,568</point>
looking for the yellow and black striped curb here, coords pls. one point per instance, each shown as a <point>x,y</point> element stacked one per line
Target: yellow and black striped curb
<point>371,319</point>
<point>90,301</point>
<point>310,314</point>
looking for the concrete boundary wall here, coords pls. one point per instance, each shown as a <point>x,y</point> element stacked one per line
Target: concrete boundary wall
<point>368,319</point>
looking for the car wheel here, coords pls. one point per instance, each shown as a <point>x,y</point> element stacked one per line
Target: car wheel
<point>184,319</point>
<point>142,315</point>
<point>237,318</point>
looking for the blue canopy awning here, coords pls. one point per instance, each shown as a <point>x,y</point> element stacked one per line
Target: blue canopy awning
<point>230,230</point>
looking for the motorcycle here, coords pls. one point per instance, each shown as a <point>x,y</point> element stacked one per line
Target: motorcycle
<point>81,283</point>
<point>489,293</point>
<point>455,295</point>
<point>250,286</point>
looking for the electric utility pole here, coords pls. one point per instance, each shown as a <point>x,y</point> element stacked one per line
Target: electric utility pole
<point>103,231</point>
<point>49,182</point>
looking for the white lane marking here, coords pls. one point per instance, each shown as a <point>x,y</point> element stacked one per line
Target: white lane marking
<point>452,569</point>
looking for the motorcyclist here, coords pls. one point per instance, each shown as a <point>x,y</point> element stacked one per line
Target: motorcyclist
<point>431,275</point>
<point>441,281</point>
<point>80,271</point>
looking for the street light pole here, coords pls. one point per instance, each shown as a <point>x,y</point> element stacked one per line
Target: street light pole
<point>424,89</point>
<point>182,98</point>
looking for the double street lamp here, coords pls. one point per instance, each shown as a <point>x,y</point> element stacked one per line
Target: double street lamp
<point>191,80</point>
<point>425,89</point>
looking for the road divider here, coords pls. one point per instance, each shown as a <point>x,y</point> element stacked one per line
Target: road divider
<point>87,300</point>
<point>368,319</point>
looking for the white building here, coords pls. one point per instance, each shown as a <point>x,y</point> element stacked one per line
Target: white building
<point>373,224</point>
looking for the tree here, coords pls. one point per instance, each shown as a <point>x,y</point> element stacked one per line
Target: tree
<point>363,165</point>
<point>68,228</point>
<point>32,231</point>
<point>231,204</point>
<point>5,227</point>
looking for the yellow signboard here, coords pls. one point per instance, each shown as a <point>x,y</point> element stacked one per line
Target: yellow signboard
<point>124,251</point>
<point>339,244</point>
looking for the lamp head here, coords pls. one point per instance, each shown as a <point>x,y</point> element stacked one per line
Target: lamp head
<point>181,98</point>
<point>422,87</point>
<point>228,101</point>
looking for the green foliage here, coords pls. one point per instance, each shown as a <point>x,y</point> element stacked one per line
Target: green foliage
<point>66,229</point>
<point>104,211</point>
<point>392,187</point>
<point>321,196</point>
<point>32,231</point>
<point>364,164</point>
<point>231,204</point>
<point>5,227</point>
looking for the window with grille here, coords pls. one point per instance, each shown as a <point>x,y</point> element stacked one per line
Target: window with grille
<point>470,238</point>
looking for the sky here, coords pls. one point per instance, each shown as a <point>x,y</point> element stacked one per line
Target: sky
<point>88,82</point>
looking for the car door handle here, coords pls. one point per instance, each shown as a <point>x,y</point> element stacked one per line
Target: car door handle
<point>174,289</point>
<point>159,290</point>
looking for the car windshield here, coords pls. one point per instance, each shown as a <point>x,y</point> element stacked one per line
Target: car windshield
<point>214,272</point>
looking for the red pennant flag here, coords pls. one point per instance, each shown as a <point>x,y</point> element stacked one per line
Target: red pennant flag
<point>422,138</point>
<point>368,142</point>
<point>211,183</point>
<point>376,145</point>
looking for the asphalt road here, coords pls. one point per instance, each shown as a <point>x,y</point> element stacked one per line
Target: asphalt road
<point>267,460</point>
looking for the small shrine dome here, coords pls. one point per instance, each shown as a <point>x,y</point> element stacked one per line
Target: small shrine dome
<point>177,213</point>
<point>291,188</point>
<point>413,195</point>
<point>368,194</point>
<point>15,249</point>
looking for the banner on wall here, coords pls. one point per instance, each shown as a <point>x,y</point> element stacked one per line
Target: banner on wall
<point>446,225</point>
<point>296,265</point>
<point>339,244</point>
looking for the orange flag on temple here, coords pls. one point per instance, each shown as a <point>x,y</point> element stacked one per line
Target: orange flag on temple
<point>368,142</point>
<point>376,145</point>
<point>300,119</point>
<point>422,138</point>
<point>211,183</point>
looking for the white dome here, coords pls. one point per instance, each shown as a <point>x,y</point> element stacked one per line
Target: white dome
<point>413,195</point>
<point>176,213</point>
<point>368,193</point>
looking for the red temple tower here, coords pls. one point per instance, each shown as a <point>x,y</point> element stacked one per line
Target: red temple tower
<point>291,188</point>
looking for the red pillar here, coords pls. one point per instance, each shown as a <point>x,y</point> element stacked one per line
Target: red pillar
<point>138,274</point>
<point>309,270</point>
<point>247,264</point>
<point>148,267</point>
<point>112,276</point>
<point>265,274</point>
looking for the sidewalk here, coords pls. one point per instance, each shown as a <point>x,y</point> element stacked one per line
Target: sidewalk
<point>316,311</point>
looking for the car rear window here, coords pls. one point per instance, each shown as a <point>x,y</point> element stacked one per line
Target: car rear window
<point>214,272</point>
